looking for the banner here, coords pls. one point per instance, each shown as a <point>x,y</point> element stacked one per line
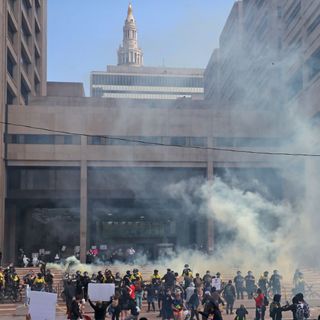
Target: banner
<point>101,291</point>
<point>42,305</point>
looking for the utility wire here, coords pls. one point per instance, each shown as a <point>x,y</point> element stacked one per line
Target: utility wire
<point>272,153</point>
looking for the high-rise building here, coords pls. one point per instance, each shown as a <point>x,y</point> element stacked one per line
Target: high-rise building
<point>130,79</point>
<point>23,65</point>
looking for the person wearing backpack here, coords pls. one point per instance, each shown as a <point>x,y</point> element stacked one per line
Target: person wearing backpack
<point>275,308</point>
<point>299,308</point>
<point>260,305</point>
<point>302,309</point>
<point>229,295</point>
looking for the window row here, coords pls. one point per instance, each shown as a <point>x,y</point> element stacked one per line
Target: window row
<point>42,139</point>
<point>159,81</point>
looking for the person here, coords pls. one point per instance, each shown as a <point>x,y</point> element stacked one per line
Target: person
<point>189,291</point>
<point>217,282</point>
<point>299,308</point>
<point>151,297</point>
<point>166,306</point>
<point>69,292</point>
<point>229,295</point>
<point>117,282</point>
<point>75,313</point>
<point>260,305</point>
<point>100,309</point>
<point>275,309</point>
<point>299,285</point>
<point>48,278</point>
<point>211,302</point>
<point>35,261</point>
<point>169,279</point>
<point>207,280</point>
<point>138,291</point>
<point>124,302</point>
<point>177,306</point>
<point>239,284</point>
<point>193,304</point>
<point>250,284</point>
<point>85,284</point>
<point>241,313</point>
<point>109,278</point>
<point>115,307</point>
<point>263,283</point>
<point>1,279</point>
<point>26,261</point>
<point>275,282</point>
<point>39,283</point>
<point>186,271</point>
<point>198,282</point>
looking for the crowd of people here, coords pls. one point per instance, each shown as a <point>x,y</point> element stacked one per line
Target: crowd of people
<point>175,296</point>
<point>181,296</point>
<point>11,284</point>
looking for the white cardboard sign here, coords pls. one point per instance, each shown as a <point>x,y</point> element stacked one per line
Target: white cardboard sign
<point>42,305</point>
<point>101,291</point>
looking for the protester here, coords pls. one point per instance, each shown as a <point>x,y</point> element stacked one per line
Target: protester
<point>229,295</point>
<point>241,313</point>
<point>100,309</point>
<point>275,308</point>
<point>260,305</point>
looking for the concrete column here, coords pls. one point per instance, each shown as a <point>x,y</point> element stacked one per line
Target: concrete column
<point>83,210</point>
<point>2,207</point>
<point>210,223</point>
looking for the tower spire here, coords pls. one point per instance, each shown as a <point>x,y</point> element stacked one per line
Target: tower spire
<point>130,53</point>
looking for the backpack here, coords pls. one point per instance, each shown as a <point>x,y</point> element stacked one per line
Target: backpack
<point>302,311</point>
<point>273,307</point>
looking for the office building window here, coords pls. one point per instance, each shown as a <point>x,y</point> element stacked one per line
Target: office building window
<point>25,92</point>
<point>313,64</point>
<point>10,64</point>
<point>313,25</point>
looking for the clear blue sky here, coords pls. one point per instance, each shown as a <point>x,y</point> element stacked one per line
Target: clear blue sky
<point>84,35</point>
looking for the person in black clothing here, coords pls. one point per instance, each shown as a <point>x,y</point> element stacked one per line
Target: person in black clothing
<point>229,294</point>
<point>100,309</point>
<point>166,309</point>
<point>70,293</point>
<point>275,308</point>
<point>241,313</point>
<point>48,278</point>
<point>85,283</point>
<point>169,279</point>
<point>75,313</point>
<point>239,284</point>
<point>79,285</point>
<point>193,304</point>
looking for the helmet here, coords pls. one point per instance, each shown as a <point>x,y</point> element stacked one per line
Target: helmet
<point>155,271</point>
<point>186,266</point>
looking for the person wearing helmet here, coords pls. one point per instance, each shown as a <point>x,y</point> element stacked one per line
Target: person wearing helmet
<point>250,284</point>
<point>239,284</point>
<point>275,282</point>
<point>263,283</point>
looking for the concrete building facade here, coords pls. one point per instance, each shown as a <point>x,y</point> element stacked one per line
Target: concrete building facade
<point>23,66</point>
<point>105,171</point>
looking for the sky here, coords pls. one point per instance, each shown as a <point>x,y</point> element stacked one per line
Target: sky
<point>84,35</point>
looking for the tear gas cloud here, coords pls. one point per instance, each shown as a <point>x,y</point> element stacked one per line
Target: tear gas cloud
<point>264,232</point>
